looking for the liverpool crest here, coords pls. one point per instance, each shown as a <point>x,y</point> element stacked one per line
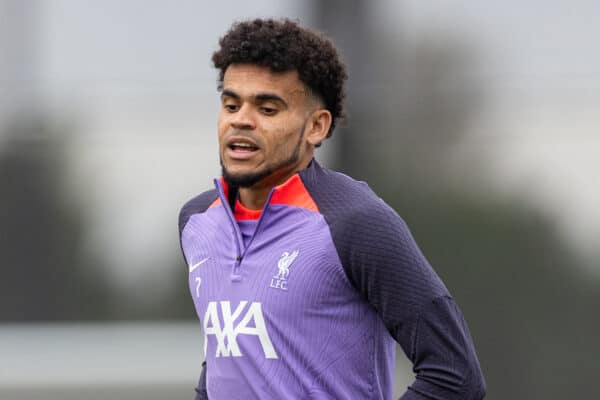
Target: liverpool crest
<point>279,281</point>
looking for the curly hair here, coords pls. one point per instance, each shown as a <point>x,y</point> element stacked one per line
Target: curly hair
<point>282,45</point>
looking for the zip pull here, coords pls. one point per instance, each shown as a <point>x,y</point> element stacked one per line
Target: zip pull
<point>235,277</point>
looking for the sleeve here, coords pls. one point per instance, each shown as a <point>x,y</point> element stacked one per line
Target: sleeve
<point>196,205</point>
<point>201,393</point>
<point>384,263</point>
<point>443,355</point>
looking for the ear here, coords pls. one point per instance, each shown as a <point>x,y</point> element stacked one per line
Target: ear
<point>318,126</point>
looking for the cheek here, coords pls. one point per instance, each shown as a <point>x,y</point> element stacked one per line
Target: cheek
<point>279,140</point>
<point>221,127</point>
<point>220,123</point>
<point>287,131</point>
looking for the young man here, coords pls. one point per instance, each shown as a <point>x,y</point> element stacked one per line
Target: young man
<point>303,279</point>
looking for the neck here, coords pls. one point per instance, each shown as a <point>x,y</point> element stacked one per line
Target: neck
<point>255,197</point>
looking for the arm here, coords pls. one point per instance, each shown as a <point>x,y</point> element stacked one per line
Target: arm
<point>196,205</point>
<point>201,393</point>
<point>384,264</point>
<point>391,272</point>
<point>443,355</point>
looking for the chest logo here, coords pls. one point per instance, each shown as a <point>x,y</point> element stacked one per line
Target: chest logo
<point>199,263</point>
<point>279,280</point>
<point>225,324</point>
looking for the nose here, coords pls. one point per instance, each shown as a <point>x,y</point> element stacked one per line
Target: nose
<point>243,118</point>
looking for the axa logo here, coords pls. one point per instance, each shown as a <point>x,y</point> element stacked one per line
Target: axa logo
<point>279,281</point>
<point>252,323</point>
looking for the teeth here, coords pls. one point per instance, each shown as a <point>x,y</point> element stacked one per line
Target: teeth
<point>243,145</point>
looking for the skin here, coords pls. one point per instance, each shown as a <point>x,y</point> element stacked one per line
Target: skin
<point>275,114</point>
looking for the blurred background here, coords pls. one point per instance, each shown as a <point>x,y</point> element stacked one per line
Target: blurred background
<point>477,121</point>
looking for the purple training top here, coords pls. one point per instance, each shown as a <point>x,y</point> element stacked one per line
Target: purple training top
<point>311,304</point>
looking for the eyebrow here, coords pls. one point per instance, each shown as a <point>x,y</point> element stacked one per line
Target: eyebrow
<point>229,93</point>
<point>270,97</point>
<point>261,97</point>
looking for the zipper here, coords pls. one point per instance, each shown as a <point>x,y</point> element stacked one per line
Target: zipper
<point>260,219</point>
<point>234,276</point>
<point>241,251</point>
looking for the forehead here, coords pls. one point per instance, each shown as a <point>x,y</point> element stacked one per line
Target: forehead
<point>249,80</point>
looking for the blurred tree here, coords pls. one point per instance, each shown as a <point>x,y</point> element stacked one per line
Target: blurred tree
<point>528,306</point>
<point>46,274</point>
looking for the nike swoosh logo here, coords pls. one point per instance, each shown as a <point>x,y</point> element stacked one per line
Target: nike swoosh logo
<point>199,263</point>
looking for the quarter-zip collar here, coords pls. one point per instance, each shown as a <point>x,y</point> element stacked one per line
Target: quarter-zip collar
<point>292,192</point>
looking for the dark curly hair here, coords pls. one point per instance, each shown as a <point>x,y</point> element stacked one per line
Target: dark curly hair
<point>282,45</point>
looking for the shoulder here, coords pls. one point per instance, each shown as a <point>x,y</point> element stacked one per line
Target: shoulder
<point>196,205</point>
<point>374,244</point>
<point>349,206</point>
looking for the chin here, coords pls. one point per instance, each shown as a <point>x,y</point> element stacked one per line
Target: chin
<point>244,177</point>
<point>239,170</point>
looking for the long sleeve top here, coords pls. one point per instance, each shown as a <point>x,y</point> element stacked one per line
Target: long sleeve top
<point>311,301</point>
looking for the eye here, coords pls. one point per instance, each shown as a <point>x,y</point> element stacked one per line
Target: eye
<point>230,107</point>
<point>268,110</point>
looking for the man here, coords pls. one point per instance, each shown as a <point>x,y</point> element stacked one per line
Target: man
<point>303,279</point>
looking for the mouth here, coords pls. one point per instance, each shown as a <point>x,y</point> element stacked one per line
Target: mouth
<point>241,148</point>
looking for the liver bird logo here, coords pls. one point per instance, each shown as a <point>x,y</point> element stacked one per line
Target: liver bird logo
<point>284,264</point>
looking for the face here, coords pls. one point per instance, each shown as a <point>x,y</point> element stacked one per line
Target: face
<point>263,125</point>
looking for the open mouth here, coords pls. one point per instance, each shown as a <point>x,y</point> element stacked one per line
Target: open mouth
<point>243,147</point>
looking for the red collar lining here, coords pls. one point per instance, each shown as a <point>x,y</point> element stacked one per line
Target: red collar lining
<point>292,192</point>
<point>242,213</point>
